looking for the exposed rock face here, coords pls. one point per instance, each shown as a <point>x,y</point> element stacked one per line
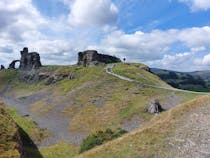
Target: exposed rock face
<point>12,64</point>
<point>59,77</point>
<point>29,61</point>
<point>35,76</point>
<point>2,67</point>
<point>92,57</point>
<point>32,76</point>
<point>154,107</point>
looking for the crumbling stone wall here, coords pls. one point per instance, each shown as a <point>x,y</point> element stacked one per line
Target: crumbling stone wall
<point>29,60</point>
<point>12,64</point>
<point>2,67</point>
<point>92,57</point>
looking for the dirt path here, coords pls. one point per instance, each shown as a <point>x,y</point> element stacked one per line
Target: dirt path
<point>192,136</point>
<point>110,71</point>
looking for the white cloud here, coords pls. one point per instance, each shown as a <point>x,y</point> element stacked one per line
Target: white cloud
<point>204,61</point>
<point>175,61</point>
<point>21,25</point>
<point>19,21</point>
<point>17,18</point>
<point>56,52</point>
<point>156,48</point>
<point>196,36</point>
<point>93,13</point>
<point>196,5</point>
<point>153,45</point>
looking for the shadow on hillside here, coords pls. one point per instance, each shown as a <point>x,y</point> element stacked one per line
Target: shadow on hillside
<point>29,147</point>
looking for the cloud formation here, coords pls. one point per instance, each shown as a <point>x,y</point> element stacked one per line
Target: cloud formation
<point>157,47</point>
<point>197,5</point>
<point>58,42</point>
<point>93,13</point>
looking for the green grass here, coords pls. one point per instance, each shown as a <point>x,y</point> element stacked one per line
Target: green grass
<point>9,135</point>
<point>120,99</point>
<point>29,131</point>
<point>138,72</point>
<point>93,99</point>
<point>99,138</point>
<point>151,139</point>
<point>60,149</point>
<point>30,127</point>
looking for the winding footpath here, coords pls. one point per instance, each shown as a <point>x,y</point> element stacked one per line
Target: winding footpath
<point>109,70</point>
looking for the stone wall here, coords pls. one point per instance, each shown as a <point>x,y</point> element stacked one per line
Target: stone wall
<point>92,57</point>
<point>12,64</point>
<point>28,60</point>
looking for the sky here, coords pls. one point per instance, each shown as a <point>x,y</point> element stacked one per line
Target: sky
<point>168,34</point>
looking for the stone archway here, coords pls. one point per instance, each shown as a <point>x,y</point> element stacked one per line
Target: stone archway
<point>12,64</point>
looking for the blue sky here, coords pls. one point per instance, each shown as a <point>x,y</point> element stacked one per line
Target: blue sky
<point>170,34</point>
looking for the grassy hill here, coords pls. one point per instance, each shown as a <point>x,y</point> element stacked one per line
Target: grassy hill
<point>164,135</point>
<point>71,108</point>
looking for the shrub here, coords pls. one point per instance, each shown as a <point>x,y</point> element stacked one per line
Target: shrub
<point>99,138</point>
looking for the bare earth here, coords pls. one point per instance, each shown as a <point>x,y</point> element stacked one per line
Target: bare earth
<point>192,138</point>
<point>55,121</point>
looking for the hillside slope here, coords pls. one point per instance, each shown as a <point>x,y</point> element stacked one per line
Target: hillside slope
<point>72,102</point>
<point>10,142</point>
<point>182,131</point>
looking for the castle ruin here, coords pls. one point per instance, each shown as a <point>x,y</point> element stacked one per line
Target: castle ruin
<point>92,58</point>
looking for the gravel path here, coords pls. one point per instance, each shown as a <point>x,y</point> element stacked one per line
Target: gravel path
<point>192,138</point>
<point>109,71</point>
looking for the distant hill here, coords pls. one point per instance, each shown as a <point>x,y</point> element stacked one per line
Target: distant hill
<point>196,81</point>
<point>203,74</point>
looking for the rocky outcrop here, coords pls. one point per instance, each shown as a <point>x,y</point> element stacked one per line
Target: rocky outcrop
<point>35,76</point>
<point>28,60</point>
<point>32,76</point>
<point>59,77</point>
<point>12,64</point>
<point>92,58</point>
<point>2,67</point>
<point>154,107</point>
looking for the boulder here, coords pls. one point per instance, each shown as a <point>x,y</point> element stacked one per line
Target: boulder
<point>92,58</point>
<point>154,107</point>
